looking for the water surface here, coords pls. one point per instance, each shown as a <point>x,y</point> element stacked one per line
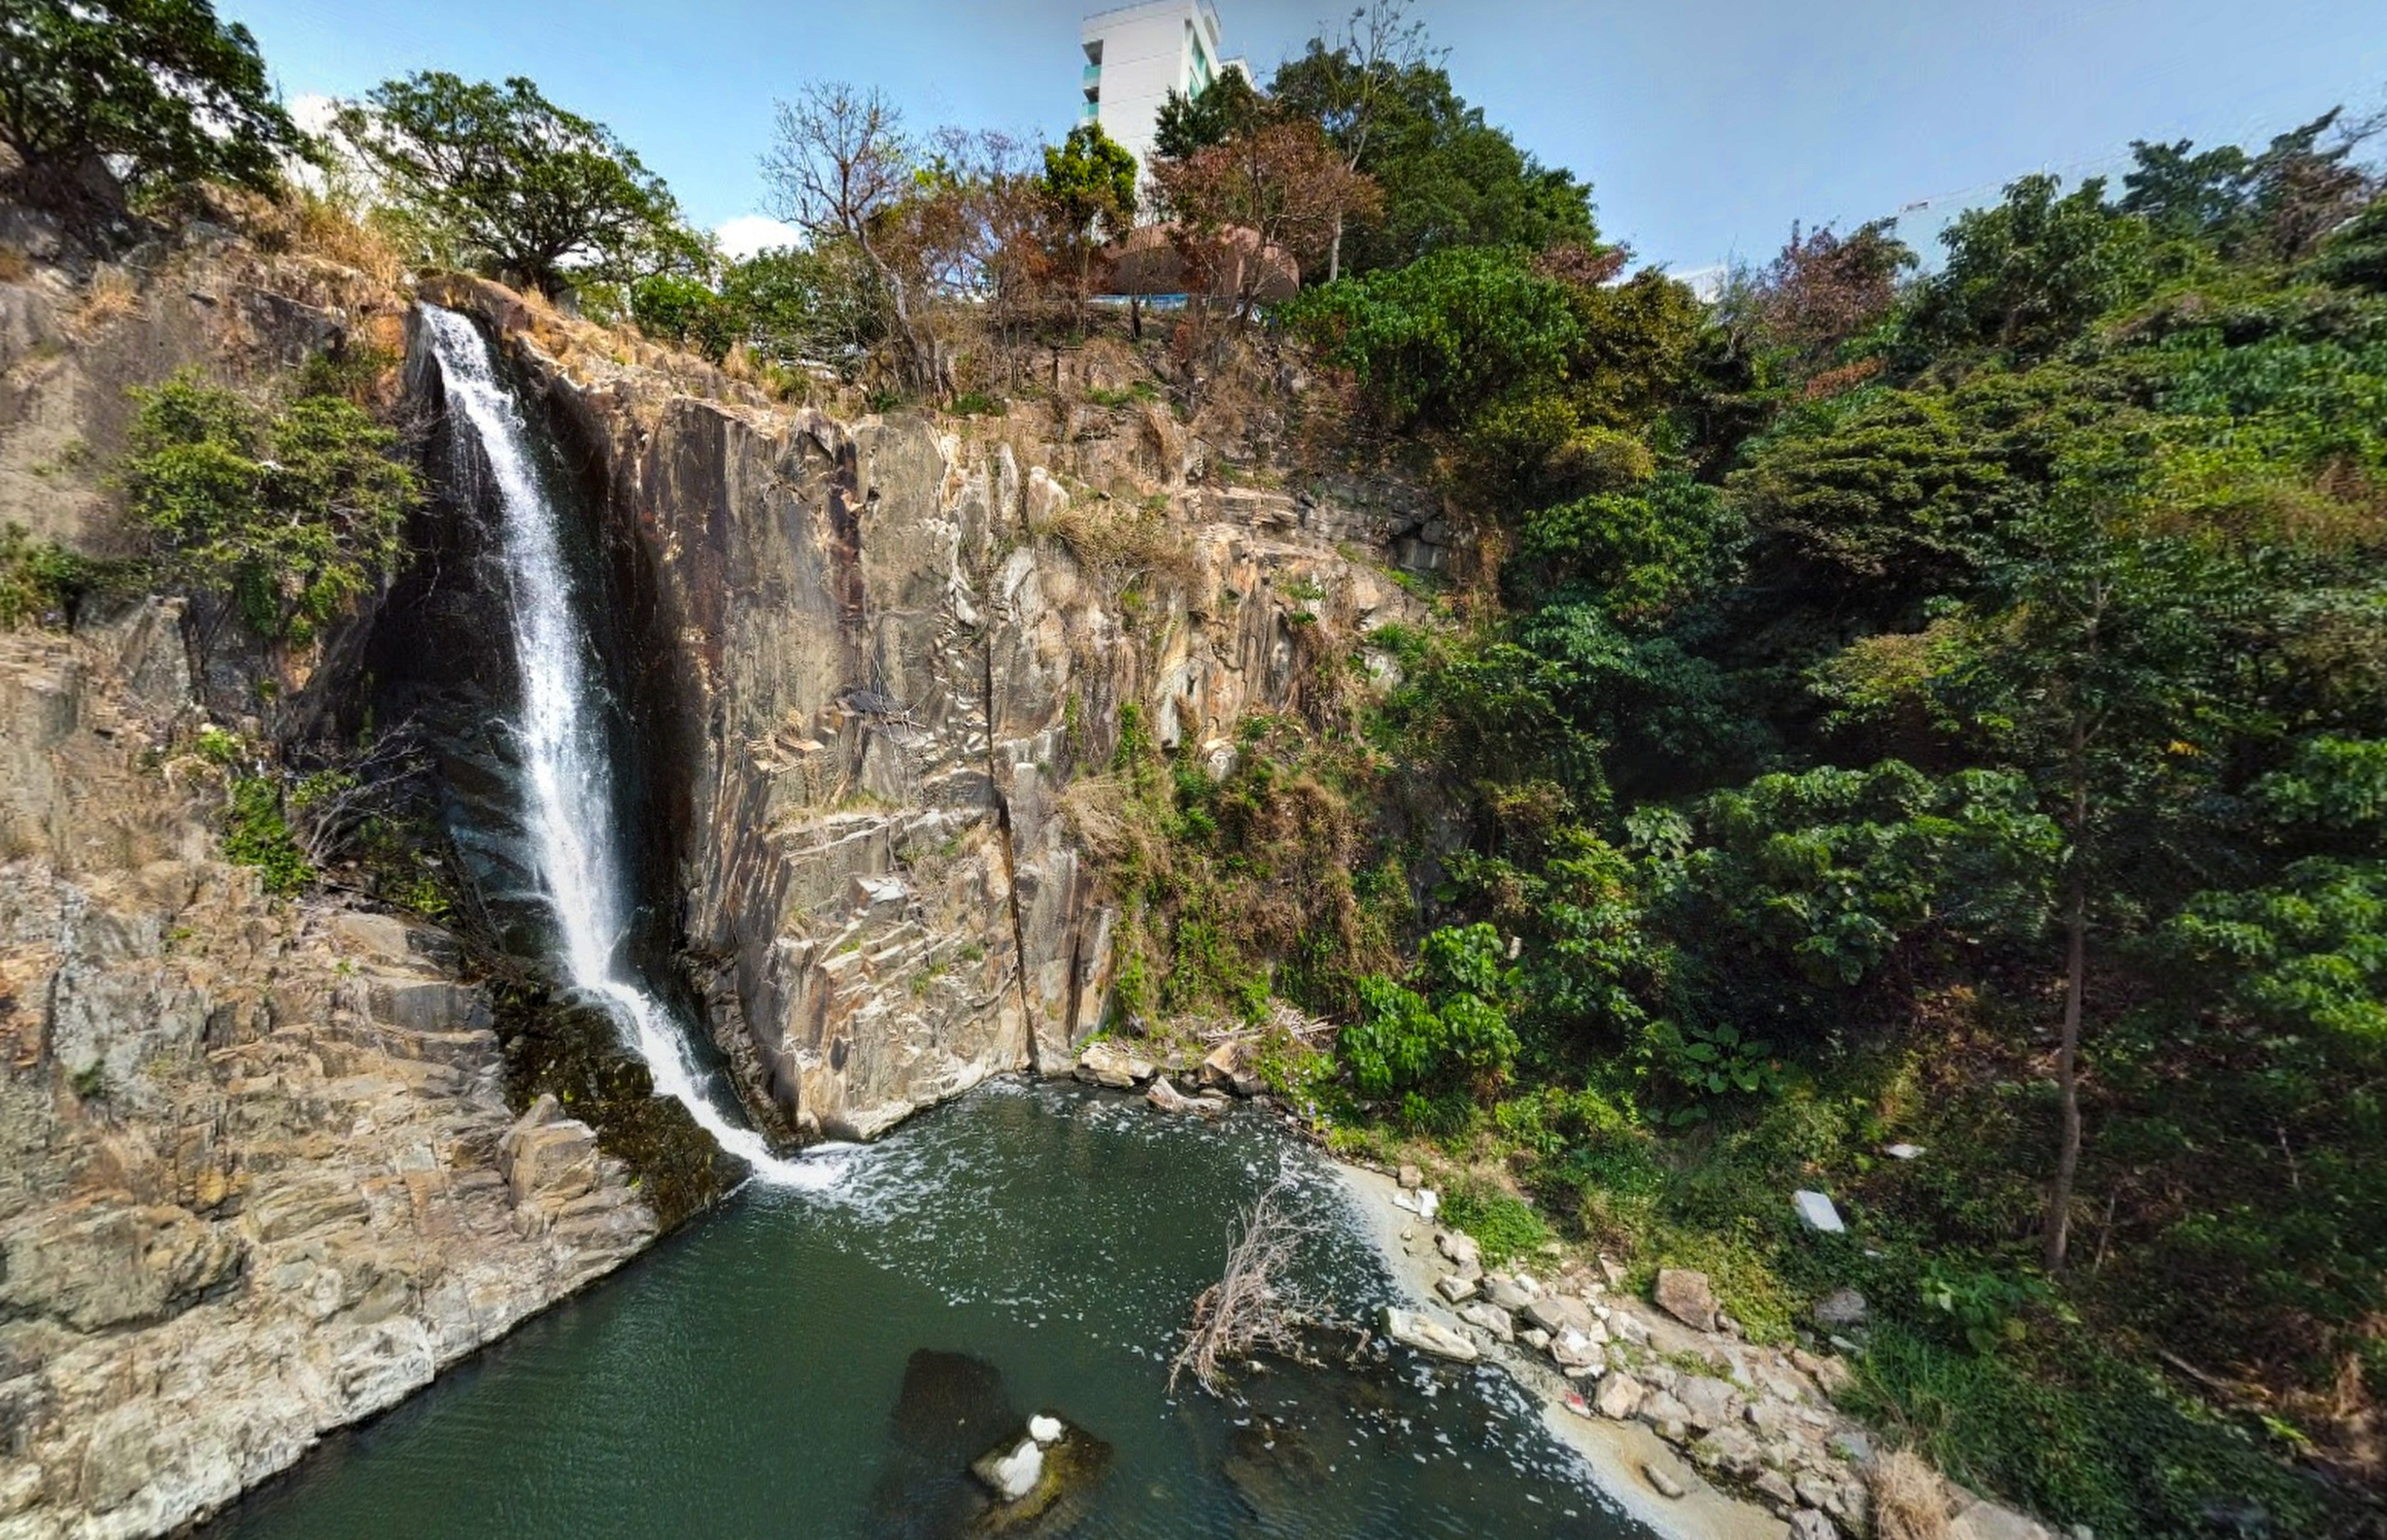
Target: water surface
<point>742,1379</point>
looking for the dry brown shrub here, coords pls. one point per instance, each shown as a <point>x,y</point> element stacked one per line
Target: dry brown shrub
<point>1116,543</point>
<point>1252,1308</point>
<point>1101,811</point>
<point>114,294</point>
<point>318,227</point>
<point>1910,1501</point>
<point>15,266</point>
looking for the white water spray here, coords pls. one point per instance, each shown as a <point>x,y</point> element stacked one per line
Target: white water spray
<point>569,794</point>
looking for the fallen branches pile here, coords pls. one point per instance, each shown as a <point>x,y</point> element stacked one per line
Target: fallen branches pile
<point>1252,1308</point>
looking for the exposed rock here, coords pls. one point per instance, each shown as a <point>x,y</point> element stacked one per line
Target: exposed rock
<point>1510,1292</point>
<point>1044,1428</point>
<point>1660,1480</point>
<point>1668,1418</point>
<point>1535,1338</point>
<point>1011,1471</point>
<point>1411,1330</point>
<point>1411,1178</point>
<point>1815,1211</point>
<point>1707,1403</point>
<point>1455,1287</point>
<point>257,1175</point>
<point>1808,1524</point>
<point>1983,1520</point>
<point>1107,1063</point>
<point>1579,1356</point>
<point>1460,1247</point>
<point>1491,1318</point>
<point>1558,1314</point>
<point>1730,1452</point>
<point>1687,1296</point>
<point>1620,1397</point>
<point>1841,1310</point>
<point>1775,1488</point>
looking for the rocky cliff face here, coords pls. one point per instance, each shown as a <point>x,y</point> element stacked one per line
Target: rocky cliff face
<point>257,1174</point>
<point>259,1177</point>
<point>894,645</point>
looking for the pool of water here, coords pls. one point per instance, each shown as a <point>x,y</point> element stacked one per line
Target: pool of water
<point>816,1364</point>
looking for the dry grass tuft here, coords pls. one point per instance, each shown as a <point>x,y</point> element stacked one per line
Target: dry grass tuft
<point>113,295</point>
<point>321,228</point>
<point>1115,544</point>
<point>15,266</point>
<point>1910,1501</point>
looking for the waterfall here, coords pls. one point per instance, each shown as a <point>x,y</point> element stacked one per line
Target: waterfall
<point>568,798</point>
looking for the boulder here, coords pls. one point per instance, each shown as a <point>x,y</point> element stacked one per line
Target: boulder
<point>1663,1484</point>
<point>1411,1178</point>
<point>1168,1098</point>
<point>1710,1404</point>
<point>1729,1452</point>
<point>1232,1067</point>
<point>1558,1314</point>
<point>1411,1330</point>
<point>1535,1338</point>
<point>1578,1354</point>
<point>1458,1288</point>
<point>1044,1428</point>
<point>1491,1318</point>
<point>1106,1063</point>
<point>1774,1487</point>
<point>1687,1296</point>
<point>1841,1310</point>
<point>1460,1247</point>
<point>1510,1293</point>
<point>1620,1397</point>
<point>1817,1212</point>
<point>1808,1524</point>
<point>1011,1471</point>
<point>1668,1418</point>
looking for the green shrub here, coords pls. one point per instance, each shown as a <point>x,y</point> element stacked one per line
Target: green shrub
<point>38,579</point>
<point>294,512</point>
<point>1505,1226</point>
<point>258,834</point>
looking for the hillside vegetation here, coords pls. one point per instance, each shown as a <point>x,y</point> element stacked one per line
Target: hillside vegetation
<point>1887,708</point>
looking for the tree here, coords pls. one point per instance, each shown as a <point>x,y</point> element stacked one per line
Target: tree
<point>1824,288</point>
<point>839,166</point>
<point>1447,177</point>
<point>2031,274</point>
<point>1350,87</point>
<point>99,98</point>
<point>1090,184</point>
<point>1282,182</point>
<point>543,197</point>
<point>294,513</point>
<point>1187,125</point>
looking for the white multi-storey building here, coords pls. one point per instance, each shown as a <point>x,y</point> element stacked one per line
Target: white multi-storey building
<point>1137,54</point>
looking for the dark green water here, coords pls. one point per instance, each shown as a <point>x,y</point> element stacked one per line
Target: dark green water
<point>743,1379</point>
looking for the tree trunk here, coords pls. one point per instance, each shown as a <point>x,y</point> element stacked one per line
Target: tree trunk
<point>2076,986</point>
<point>1334,252</point>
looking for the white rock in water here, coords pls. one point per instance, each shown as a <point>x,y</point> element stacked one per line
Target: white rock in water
<point>1012,1475</point>
<point>1817,1210</point>
<point>1412,1330</point>
<point>1044,1429</point>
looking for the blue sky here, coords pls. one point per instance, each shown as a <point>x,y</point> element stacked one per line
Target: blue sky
<point>1705,126</point>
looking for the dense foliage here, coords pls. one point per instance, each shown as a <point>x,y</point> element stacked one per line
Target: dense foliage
<point>501,176</point>
<point>1940,708</point>
<point>102,97</point>
<point>292,512</point>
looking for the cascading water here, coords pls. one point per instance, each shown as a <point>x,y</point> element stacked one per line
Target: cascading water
<point>568,792</point>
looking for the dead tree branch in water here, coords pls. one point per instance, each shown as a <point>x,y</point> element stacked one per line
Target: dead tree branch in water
<point>1252,1308</point>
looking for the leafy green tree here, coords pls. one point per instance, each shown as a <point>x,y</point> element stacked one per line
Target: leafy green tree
<point>543,197</point>
<point>1450,178</point>
<point>2031,274</point>
<point>102,97</point>
<point>1089,185</point>
<point>1187,125</point>
<point>295,513</point>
